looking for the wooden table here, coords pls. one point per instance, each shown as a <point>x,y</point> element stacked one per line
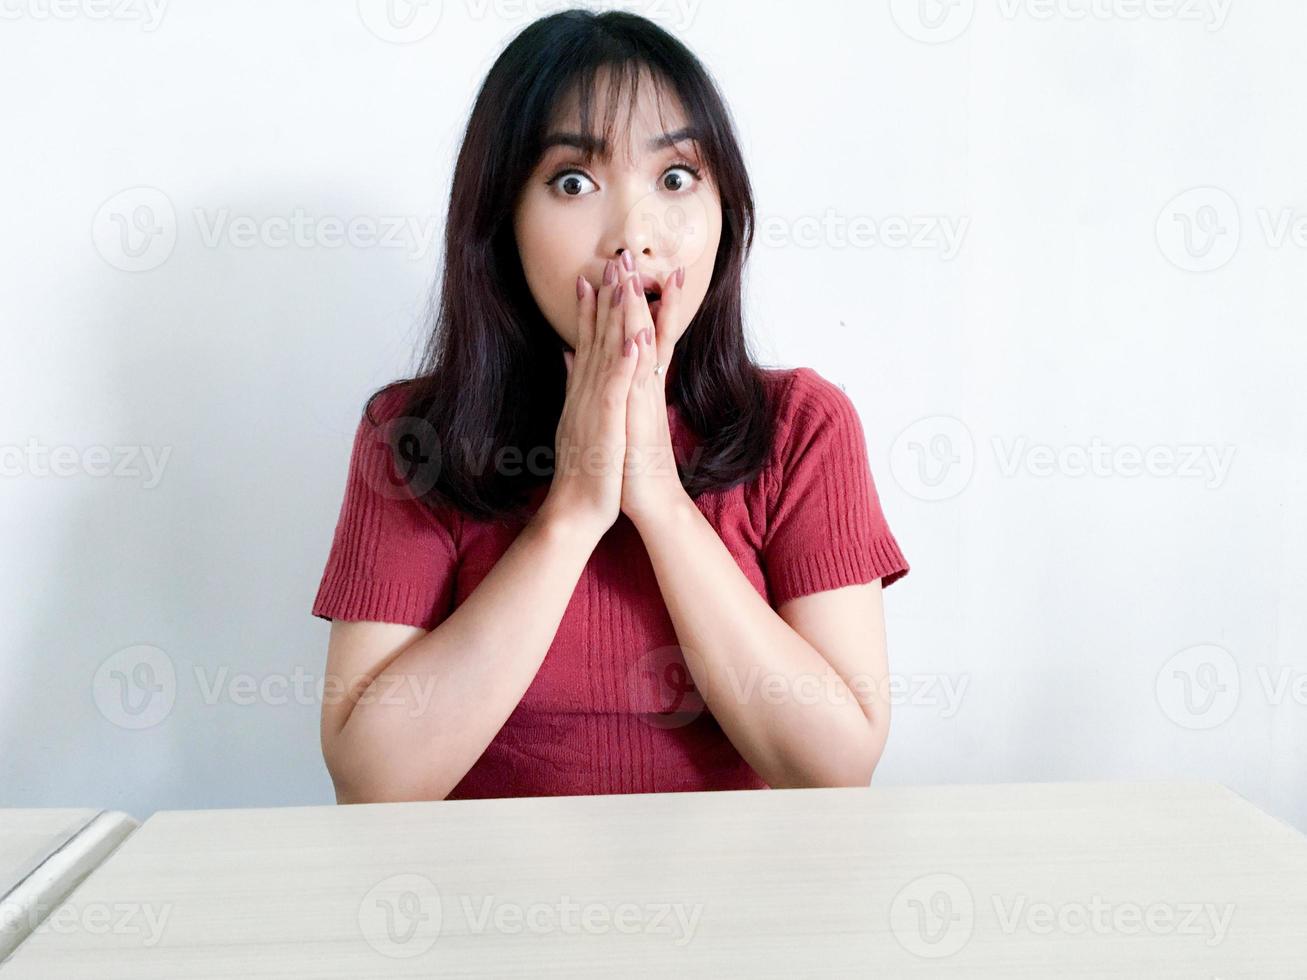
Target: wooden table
<point>44,854</point>
<point>1169,879</point>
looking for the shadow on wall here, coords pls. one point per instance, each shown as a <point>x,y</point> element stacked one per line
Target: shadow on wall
<point>165,655</point>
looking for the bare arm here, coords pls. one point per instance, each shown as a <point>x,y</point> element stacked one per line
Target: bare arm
<point>802,691</point>
<point>406,711</point>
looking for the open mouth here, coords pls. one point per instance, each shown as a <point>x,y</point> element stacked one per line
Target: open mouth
<point>654,298</point>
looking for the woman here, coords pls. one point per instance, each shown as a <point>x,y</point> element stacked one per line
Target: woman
<point>592,547</point>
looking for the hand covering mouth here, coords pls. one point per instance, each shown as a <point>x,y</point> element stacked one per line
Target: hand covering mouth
<point>653,291</point>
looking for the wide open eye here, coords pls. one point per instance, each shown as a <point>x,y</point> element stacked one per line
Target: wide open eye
<point>683,184</point>
<point>571,182</point>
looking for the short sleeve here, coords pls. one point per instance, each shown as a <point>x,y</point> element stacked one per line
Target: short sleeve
<point>392,558</point>
<point>825,528</point>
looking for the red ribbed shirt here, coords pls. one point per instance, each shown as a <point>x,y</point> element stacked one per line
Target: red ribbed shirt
<point>612,708</point>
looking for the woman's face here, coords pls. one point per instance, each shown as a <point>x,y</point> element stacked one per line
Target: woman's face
<point>642,195</point>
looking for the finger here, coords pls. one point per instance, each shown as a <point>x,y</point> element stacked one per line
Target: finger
<point>604,304</point>
<point>668,327</point>
<point>617,383</point>
<point>637,307</point>
<point>635,321</point>
<point>615,330</point>
<point>627,361</point>
<point>648,351</point>
<point>586,301</point>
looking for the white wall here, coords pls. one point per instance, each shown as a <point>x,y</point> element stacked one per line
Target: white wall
<point>1061,152</point>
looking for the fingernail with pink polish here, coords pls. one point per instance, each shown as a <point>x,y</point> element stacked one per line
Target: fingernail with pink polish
<point>680,278</point>
<point>628,260</point>
<point>580,287</point>
<point>610,273</point>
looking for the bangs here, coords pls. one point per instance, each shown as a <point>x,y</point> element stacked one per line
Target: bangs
<point>605,95</point>
<point>488,338</point>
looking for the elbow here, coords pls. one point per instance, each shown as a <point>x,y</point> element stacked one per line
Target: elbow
<point>359,776</point>
<point>854,770</point>
<point>856,773</point>
<point>346,794</point>
<point>347,781</point>
<point>386,790</point>
<point>856,767</point>
<point>346,769</point>
<point>876,748</point>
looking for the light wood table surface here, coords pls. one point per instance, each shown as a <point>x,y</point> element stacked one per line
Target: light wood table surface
<point>1149,879</point>
<point>44,854</point>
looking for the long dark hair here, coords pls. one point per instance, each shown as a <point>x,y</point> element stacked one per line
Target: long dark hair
<point>492,373</point>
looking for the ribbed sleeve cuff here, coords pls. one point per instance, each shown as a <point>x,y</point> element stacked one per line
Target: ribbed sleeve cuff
<point>836,567</point>
<point>342,597</point>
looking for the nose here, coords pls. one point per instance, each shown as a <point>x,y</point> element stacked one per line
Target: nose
<point>632,225</point>
<point>640,248</point>
<point>642,255</point>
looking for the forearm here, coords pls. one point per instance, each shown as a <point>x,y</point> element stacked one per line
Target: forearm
<point>428,716</point>
<point>786,710</point>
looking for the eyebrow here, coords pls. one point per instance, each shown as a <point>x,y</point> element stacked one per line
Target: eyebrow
<point>592,145</point>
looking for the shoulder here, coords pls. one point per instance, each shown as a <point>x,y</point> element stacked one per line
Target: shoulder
<point>386,404</point>
<point>387,426</point>
<point>800,390</point>
<point>397,455</point>
<point>806,403</point>
<point>375,430</point>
